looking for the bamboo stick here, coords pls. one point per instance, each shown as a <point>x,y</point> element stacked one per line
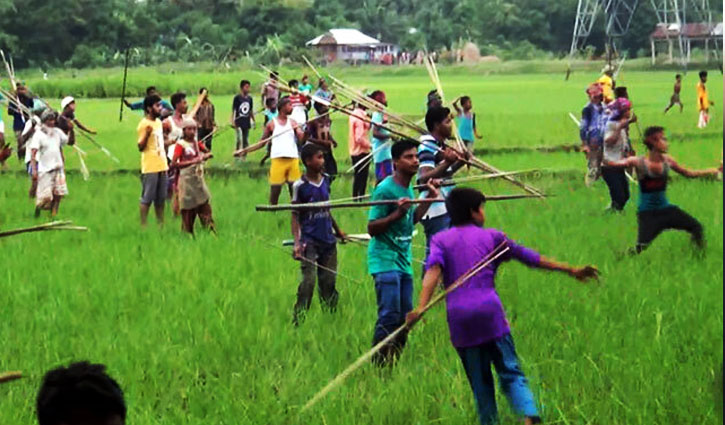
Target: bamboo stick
<point>491,257</point>
<point>331,204</point>
<point>10,376</point>
<point>100,146</point>
<point>84,169</point>
<point>55,225</point>
<point>319,76</point>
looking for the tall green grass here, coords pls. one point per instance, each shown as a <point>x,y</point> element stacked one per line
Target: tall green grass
<point>198,331</point>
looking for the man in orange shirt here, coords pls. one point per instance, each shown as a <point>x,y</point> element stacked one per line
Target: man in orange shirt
<point>703,102</point>
<point>359,147</point>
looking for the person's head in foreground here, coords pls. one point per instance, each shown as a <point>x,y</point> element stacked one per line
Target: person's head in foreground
<point>80,394</point>
<point>621,91</point>
<point>438,122</point>
<point>655,140</point>
<point>405,157</point>
<point>189,127</point>
<point>465,206</point>
<point>152,105</point>
<point>703,76</point>
<point>313,158</point>
<point>284,106</point>
<point>271,104</point>
<point>48,117</point>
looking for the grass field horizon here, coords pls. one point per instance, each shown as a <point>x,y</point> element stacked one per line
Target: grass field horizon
<point>199,330</point>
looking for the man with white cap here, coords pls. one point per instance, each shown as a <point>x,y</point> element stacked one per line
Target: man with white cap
<point>47,163</point>
<point>67,119</point>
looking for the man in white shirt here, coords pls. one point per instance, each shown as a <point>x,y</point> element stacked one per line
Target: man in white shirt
<point>47,164</point>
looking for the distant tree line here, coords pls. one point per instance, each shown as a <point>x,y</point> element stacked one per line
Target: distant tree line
<point>84,33</point>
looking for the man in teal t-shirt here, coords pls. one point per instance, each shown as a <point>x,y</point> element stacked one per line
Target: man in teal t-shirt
<point>389,252</point>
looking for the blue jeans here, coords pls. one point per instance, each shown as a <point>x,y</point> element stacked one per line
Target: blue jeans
<point>394,292</point>
<point>477,363</point>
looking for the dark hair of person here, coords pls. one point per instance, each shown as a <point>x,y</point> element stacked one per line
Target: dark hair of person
<point>201,90</point>
<point>243,83</point>
<point>651,131</point>
<point>461,202</point>
<point>293,83</point>
<point>702,74</point>
<point>150,100</point>
<point>80,393</point>
<point>308,151</point>
<point>176,98</point>
<point>678,76</point>
<point>621,91</point>
<point>320,107</point>
<point>150,89</point>
<point>401,147</point>
<point>282,102</point>
<point>435,116</point>
<point>270,102</point>
<point>377,95</point>
<point>465,99</point>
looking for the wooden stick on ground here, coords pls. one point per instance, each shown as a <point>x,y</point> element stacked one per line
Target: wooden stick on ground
<point>10,376</point>
<point>491,257</point>
<point>55,225</point>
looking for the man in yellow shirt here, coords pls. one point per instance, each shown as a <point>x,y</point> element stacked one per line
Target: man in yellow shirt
<point>703,102</point>
<point>153,160</point>
<point>607,83</point>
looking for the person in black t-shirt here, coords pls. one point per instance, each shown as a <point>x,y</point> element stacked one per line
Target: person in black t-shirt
<point>243,115</point>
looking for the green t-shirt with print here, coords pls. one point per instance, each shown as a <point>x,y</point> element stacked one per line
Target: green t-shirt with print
<point>391,250</point>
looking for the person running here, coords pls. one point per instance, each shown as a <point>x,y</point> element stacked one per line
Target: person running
<point>188,159</point>
<point>172,134</point>
<point>47,164</point>
<point>477,322</point>
<point>166,108</point>
<point>19,117</point>
<point>270,90</point>
<point>243,115</point>
<point>80,394</point>
<point>312,230</point>
<point>285,135</point>
<point>319,132</point>
<point>466,121</point>
<point>703,102</point>
<point>381,141</point>
<point>437,161</point>
<point>154,166</point>
<point>299,104</point>
<point>359,148</point>
<point>205,116</point>
<point>389,251</point>
<point>655,213</point>
<point>591,132</point>
<point>616,142</point>
<point>675,98</point>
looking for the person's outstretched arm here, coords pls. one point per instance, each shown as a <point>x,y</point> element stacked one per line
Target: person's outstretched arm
<point>581,274</point>
<point>679,169</point>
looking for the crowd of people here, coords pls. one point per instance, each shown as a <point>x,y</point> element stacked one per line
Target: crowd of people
<point>174,142</point>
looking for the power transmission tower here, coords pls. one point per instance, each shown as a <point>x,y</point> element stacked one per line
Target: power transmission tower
<point>618,16</point>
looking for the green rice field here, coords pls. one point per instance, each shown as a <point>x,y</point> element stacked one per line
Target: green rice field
<point>198,330</point>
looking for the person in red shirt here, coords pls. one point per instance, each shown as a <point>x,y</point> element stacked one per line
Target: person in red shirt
<point>188,158</point>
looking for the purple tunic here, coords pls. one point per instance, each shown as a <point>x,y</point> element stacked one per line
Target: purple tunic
<point>475,312</point>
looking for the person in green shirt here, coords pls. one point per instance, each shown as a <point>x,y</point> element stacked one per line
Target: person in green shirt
<point>305,86</point>
<point>389,251</point>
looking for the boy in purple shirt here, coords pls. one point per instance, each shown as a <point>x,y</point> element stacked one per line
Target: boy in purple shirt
<point>476,319</point>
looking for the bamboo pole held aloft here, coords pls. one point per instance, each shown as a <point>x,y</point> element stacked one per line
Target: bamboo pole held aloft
<point>482,264</point>
<point>330,204</point>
